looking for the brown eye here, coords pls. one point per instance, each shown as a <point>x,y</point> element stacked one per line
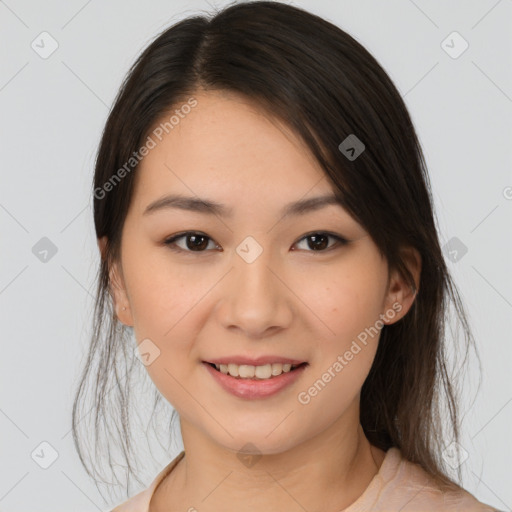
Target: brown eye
<point>319,242</point>
<point>198,242</point>
<point>194,242</point>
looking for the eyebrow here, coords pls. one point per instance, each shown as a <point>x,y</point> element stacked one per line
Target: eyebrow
<point>205,206</point>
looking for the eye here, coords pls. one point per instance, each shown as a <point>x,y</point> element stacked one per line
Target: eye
<point>194,242</point>
<point>198,242</point>
<point>319,241</point>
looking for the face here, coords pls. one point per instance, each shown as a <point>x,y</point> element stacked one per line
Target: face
<point>250,281</point>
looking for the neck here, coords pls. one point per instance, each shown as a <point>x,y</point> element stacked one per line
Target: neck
<point>325,473</point>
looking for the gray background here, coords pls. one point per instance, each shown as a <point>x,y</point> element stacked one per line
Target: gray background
<point>53,112</point>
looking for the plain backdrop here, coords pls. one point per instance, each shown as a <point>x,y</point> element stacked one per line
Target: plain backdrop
<point>52,113</point>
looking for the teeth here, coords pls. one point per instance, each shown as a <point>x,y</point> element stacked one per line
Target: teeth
<point>247,371</point>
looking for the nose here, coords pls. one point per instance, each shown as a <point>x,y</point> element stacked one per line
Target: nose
<point>255,298</point>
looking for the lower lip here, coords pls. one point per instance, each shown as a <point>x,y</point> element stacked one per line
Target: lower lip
<point>255,388</point>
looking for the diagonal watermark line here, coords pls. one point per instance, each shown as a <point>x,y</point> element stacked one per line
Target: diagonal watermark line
<point>76,14</point>
<point>409,501</point>
<point>484,218</point>
<point>14,76</point>
<point>2,2</point>
<point>504,298</point>
<point>216,487</point>
<point>280,423</point>
<point>492,81</point>
<point>198,302</point>
<point>506,403</point>
<point>84,84</point>
<point>85,494</point>
<point>423,12</point>
<point>304,195</point>
<point>74,218</point>
<point>14,423</point>
<point>13,279</point>
<point>114,385</point>
<point>199,403</point>
<point>497,497</point>
<point>214,7</point>
<point>301,300</point>
<point>14,485</point>
<point>499,1</point>
<point>286,491</point>
<point>421,79</point>
<point>13,217</point>
<point>77,281</point>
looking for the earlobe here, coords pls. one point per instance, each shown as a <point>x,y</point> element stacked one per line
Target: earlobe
<point>117,289</point>
<point>123,314</point>
<point>119,295</point>
<point>102,244</point>
<point>401,295</point>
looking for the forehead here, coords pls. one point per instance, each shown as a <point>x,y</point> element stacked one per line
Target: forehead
<point>229,148</point>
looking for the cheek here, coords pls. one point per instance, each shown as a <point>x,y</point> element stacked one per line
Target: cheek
<point>346,298</point>
<point>161,294</point>
<point>346,339</point>
<point>347,302</point>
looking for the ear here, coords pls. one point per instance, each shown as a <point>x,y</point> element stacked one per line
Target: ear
<point>117,288</point>
<point>400,296</point>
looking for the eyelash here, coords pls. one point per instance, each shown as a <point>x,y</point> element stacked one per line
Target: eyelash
<point>170,242</point>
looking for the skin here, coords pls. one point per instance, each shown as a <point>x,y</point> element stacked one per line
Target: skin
<point>300,303</point>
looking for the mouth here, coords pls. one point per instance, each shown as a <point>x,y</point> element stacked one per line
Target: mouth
<point>263,372</point>
<point>255,382</point>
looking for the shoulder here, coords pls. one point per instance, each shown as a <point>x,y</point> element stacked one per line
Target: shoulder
<point>140,502</point>
<point>137,503</point>
<point>410,488</point>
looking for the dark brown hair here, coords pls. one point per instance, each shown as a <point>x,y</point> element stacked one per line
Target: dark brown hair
<point>325,86</point>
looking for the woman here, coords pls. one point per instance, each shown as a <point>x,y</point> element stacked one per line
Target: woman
<point>265,222</point>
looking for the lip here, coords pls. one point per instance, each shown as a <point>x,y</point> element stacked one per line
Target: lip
<point>254,361</point>
<point>254,388</point>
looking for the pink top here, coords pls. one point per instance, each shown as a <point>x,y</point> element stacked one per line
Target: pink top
<point>398,486</point>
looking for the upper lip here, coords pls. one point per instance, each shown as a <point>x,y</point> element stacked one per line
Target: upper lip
<point>254,361</point>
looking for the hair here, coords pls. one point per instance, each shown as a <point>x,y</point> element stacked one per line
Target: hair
<point>325,86</point>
